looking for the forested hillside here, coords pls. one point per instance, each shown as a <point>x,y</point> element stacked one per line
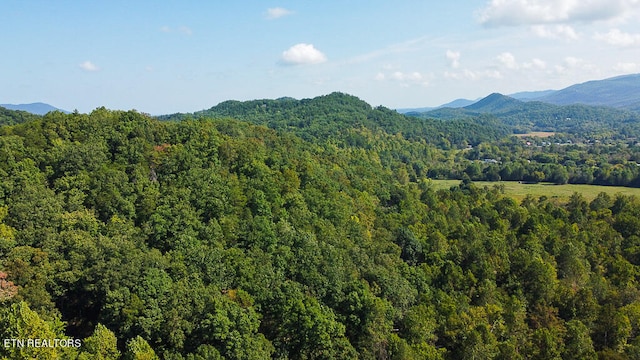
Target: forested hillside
<point>218,238</point>
<point>337,116</point>
<point>10,117</point>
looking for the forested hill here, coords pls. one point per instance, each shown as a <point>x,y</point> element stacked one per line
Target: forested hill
<point>338,115</point>
<point>11,117</point>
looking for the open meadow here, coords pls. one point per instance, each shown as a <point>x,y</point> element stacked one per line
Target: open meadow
<point>540,134</point>
<point>519,190</point>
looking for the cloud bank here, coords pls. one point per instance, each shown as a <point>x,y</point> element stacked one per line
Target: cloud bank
<point>564,32</point>
<point>302,54</point>
<point>535,12</point>
<point>616,37</point>
<point>627,67</point>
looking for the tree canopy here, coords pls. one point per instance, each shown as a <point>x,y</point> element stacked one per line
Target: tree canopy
<point>211,238</point>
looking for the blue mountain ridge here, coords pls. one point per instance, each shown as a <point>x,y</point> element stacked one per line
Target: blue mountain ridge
<point>37,108</point>
<point>622,92</point>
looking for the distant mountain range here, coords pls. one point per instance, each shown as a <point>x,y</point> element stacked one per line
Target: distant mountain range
<point>525,116</point>
<point>454,104</point>
<point>532,95</point>
<point>621,92</point>
<point>33,108</point>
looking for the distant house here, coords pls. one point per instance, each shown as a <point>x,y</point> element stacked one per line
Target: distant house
<point>490,161</point>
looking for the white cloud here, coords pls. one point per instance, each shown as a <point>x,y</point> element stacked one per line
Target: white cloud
<point>89,66</point>
<point>564,32</point>
<point>454,58</point>
<point>535,64</point>
<point>529,12</point>
<point>571,64</point>
<point>573,61</point>
<point>508,60</point>
<point>616,37</point>
<point>276,13</point>
<point>627,67</point>
<point>303,54</point>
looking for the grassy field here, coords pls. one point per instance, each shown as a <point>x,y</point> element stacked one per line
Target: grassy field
<point>519,191</point>
<point>540,134</point>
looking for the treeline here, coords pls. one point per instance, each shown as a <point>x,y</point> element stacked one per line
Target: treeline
<point>615,163</point>
<point>205,239</point>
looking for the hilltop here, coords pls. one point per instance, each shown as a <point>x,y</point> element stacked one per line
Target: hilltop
<point>337,115</point>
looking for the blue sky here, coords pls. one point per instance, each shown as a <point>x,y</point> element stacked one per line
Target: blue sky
<point>181,56</point>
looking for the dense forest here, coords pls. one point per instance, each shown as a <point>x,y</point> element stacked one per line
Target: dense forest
<point>11,117</point>
<point>308,229</point>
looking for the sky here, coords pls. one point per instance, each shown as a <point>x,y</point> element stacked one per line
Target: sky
<point>169,56</point>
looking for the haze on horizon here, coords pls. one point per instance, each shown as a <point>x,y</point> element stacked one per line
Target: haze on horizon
<point>185,56</point>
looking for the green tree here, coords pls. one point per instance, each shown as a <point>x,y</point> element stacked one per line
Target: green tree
<point>102,345</point>
<point>578,344</point>
<point>139,349</point>
<point>560,175</point>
